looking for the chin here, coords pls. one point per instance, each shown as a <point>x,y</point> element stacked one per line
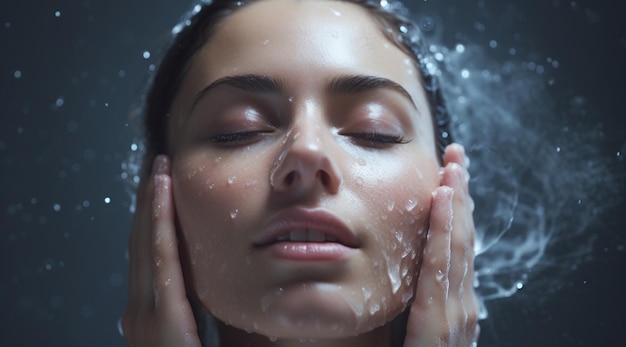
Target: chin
<point>317,311</point>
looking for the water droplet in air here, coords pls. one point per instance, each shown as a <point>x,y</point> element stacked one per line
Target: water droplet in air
<point>460,48</point>
<point>558,149</point>
<point>56,207</point>
<point>465,73</point>
<point>519,285</point>
<point>107,200</point>
<point>57,14</point>
<point>17,74</point>
<point>493,43</point>
<point>146,54</point>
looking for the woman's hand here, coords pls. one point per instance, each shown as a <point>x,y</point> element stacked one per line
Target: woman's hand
<point>445,309</point>
<point>158,312</point>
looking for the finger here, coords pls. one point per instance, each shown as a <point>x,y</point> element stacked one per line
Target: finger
<point>163,244</point>
<point>170,298</point>
<point>455,153</point>
<point>465,305</point>
<point>140,274</point>
<point>427,317</point>
<point>454,177</point>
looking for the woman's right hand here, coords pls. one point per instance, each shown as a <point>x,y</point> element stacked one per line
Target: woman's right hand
<point>158,311</point>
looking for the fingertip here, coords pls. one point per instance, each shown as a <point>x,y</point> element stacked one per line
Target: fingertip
<point>455,153</point>
<point>161,165</point>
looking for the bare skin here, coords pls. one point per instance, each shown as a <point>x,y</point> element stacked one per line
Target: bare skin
<point>443,313</point>
<point>239,158</point>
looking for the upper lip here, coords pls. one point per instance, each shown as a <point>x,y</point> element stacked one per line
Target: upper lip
<point>319,220</point>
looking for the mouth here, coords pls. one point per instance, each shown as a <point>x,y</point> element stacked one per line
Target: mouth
<point>307,235</point>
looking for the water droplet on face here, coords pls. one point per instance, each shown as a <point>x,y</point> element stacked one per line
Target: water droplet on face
<point>411,204</point>
<point>168,282</point>
<point>374,308</point>
<point>266,42</point>
<point>359,181</point>
<point>335,12</point>
<point>231,180</point>
<point>234,213</point>
<point>399,236</point>
<point>390,206</point>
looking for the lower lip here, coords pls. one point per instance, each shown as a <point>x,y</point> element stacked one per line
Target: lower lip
<point>310,251</point>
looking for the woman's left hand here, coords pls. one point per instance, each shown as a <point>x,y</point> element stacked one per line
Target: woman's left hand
<point>445,308</point>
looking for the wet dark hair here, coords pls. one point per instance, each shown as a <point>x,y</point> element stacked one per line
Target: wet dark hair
<point>194,31</point>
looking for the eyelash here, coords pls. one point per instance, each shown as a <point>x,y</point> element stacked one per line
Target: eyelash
<point>378,139</point>
<point>374,139</point>
<point>234,137</point>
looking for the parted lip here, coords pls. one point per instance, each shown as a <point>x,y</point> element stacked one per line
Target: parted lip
<point>319,220</point>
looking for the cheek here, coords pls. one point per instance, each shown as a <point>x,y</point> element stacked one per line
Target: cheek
<point>398,202</point>
<point>211,209</point>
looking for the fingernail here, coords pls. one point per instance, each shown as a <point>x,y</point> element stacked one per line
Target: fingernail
<point>161,165</point>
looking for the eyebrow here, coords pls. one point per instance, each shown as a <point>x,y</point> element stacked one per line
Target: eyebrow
<point>252,84</point>
<point>360,84</point>
<point>260,84</point>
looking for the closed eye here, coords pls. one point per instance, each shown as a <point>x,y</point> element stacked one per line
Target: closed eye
<point>377,139</point>
<point>235,138</point>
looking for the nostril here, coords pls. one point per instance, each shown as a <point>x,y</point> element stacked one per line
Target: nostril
<point>291,178</point>
<point>324,177</point>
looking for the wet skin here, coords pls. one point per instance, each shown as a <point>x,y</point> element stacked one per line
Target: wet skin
<point>302,172</point>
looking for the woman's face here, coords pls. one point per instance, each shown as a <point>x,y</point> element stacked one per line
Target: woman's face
<point>303,165</point>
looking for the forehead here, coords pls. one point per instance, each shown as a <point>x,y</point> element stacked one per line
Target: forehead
<point>301,42</point>
<point>321,33</point>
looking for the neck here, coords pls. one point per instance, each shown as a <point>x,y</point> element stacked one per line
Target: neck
<point>233,337</point>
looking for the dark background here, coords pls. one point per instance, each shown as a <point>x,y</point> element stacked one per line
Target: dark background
<point>68,80</point>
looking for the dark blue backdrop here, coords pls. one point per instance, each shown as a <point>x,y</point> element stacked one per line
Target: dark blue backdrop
<point>69,73</point>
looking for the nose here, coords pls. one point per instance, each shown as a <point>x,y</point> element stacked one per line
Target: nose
<point>306,164</point>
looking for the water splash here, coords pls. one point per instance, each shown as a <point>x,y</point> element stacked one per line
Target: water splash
<point>525,183</point>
